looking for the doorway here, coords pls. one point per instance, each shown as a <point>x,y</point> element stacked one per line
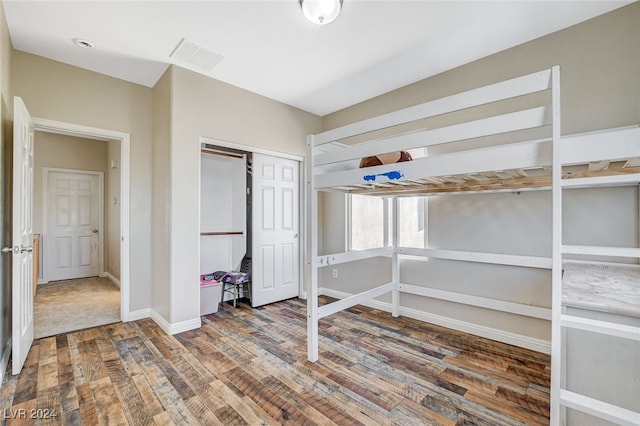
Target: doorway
<point>77,232</point>
<point>114,263</point>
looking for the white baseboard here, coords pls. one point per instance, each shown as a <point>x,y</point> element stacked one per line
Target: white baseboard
<point>519,340</point>
<point>178,327</point>
<point>4,360</point>
<point>113,279</point>
<point>139,314</point>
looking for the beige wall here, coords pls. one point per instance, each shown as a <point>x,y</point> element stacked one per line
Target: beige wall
<point>600,81</point>
<point>6,118</point>
<point>64,152</point>
<point>207,107</point>
<point>56,91</point>
<point>161,197</point>
<point>184,106</point>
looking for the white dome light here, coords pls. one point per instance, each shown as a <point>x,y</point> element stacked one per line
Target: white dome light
<point>321,12</point>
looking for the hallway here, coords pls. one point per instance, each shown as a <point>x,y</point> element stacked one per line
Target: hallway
<point>69,305</point>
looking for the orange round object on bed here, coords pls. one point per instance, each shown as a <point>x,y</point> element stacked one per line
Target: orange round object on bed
<point>388,158</point>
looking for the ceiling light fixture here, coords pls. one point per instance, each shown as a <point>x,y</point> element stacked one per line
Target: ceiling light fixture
<point>321,12</point>
<point>83,43</point>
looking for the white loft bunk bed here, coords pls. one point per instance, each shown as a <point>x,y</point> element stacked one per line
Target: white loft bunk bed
<point>501,137</point>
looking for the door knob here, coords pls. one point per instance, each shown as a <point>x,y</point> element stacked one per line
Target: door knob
<point>94,230</point>
<point>6,250</point>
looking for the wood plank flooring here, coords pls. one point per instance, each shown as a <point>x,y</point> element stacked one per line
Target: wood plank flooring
<point>248,366</point>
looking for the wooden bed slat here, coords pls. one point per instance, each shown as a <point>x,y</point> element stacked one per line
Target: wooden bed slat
<point>634,162</point>
<point>599,165</point>
<point>514,183</point>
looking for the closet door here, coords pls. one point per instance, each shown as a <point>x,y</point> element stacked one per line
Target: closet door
<point>275,269</point>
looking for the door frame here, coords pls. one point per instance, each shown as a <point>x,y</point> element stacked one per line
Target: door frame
<point>45,213</point>
<point>70,129</point>
<point>301,204</point>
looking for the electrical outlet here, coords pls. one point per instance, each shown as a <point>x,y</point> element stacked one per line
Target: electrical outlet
<point>334,273</point>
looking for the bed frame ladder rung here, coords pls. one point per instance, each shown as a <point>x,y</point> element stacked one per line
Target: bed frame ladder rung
<point>598,408</point>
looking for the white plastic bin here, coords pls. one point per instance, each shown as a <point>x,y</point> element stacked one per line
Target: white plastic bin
<point>209,297</point>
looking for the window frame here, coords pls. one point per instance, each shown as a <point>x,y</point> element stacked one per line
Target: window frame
<point>389,225</point>
<point>386,228</point>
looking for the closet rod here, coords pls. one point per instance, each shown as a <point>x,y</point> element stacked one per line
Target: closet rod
<point>220,153</point>
<point>206,234</point>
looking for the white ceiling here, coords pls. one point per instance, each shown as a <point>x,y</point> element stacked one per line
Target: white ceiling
<point>269,48</point>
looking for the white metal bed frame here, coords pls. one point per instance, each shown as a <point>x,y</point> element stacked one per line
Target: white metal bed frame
<point>607,158</point>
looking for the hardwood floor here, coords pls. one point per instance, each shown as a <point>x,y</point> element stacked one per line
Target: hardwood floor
<point>249,366</point>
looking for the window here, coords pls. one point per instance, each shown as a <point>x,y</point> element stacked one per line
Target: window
<point>413,222</point>
<point>370,222</point>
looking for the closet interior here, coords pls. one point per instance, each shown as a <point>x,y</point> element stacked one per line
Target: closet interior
<point>225,212</point>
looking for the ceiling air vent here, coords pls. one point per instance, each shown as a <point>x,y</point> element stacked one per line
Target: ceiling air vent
<point>195,55</point>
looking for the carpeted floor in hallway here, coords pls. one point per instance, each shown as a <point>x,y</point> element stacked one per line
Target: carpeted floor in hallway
<point>63,306</point>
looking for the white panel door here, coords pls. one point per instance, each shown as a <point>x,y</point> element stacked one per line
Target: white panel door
<point>275,229</point>
<point>22,280</point>
<point>72,241</point>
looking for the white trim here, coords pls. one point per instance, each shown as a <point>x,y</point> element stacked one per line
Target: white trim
<point>470,256</point>
<point>602,251</point>
<point>175,328</point>
<point>395,263</point>
<point>351,256</point>
<point>518,86</point>
<point>557,158</point>
<point>59,127</point>
<point>125,185</point>
<point>4,361</point>
<point>312,255</point>
<point>612,180</point>
<point>111,278</point>
<point>519,340</point>
<point>519,155</point>
<point>599,409</point>
<point>77,130</point>
<point>514,121</point>
<point>139,314</point>
<point>45,216</point>
<point>603,327</point>
<point>481,302</point>
<point>385,221</point>
<point>352,300</point>
<point>610,144</point>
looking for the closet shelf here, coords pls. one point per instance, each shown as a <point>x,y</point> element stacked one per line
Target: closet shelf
<point>210,234</point>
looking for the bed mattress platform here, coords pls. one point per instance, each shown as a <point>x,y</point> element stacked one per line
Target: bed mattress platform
<point>614,289</point>
<point>582,158</point>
